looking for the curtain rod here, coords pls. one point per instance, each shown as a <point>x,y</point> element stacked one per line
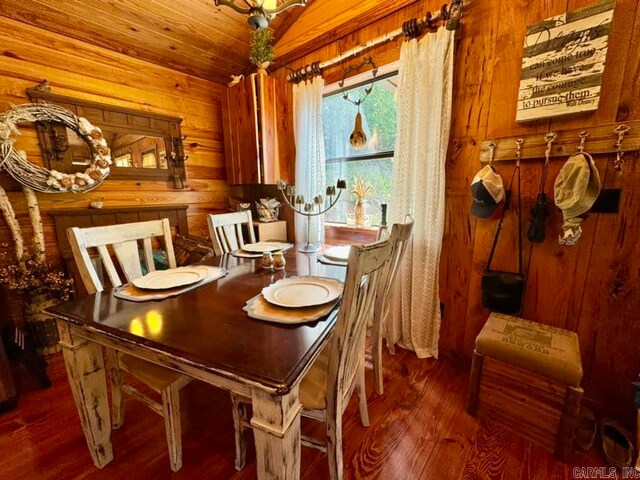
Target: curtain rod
<point>450,14</point>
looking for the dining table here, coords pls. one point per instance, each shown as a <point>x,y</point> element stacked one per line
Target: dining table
<point>205,334</point>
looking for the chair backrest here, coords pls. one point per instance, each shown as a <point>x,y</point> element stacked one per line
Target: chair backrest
<point>364,273</point>
<point>226,231</point>
<point>399,240</point>
<point>123,239</point>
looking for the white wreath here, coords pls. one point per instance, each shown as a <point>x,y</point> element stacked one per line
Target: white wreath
<point>41,179</point>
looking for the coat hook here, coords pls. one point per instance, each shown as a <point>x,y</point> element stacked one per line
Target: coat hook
<point>621,130</point>
<point>492,151</point>
<point>519,143</point>
<point>583,139</point>
<point>549,138</point>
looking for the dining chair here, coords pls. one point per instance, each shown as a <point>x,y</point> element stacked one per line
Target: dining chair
<point>339,370</point>
<point>226,231</point>
<point>398,241</point>
<point>123,240</point>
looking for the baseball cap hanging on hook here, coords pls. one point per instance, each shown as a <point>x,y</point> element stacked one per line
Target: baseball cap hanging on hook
<point>487,190</point>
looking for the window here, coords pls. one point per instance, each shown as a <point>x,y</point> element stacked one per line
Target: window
<point>374,162</point>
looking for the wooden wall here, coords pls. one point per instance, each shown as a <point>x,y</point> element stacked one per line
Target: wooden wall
<point>73,68</point>
<point>593,288</point>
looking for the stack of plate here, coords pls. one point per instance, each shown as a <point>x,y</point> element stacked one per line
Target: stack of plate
<point>338,254</point>
<point>255,250</point>
<point>172,278</point>
<point>296,300</point>
<point>163,284</point>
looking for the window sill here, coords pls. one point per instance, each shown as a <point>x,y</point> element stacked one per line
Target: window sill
<point>373,228</point>
<point>343,234</point>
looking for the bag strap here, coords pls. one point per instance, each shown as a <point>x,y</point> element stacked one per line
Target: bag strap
<point>507,205</point>
<point>550,138</point>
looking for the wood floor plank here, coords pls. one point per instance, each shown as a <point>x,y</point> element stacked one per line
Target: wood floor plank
<point>419,430</point>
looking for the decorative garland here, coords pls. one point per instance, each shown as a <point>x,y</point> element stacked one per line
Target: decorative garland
<point>41,179</point>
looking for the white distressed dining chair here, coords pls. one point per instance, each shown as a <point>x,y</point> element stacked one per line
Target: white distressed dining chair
<point>340,368</point>
<point>123,239</point>
<point>226,231</point>
<point>398,241</point>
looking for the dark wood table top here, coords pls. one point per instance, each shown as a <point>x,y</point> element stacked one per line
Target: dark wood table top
<point>208,327</point>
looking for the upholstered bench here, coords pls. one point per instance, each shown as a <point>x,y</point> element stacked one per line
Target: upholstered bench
<point>527,376</point>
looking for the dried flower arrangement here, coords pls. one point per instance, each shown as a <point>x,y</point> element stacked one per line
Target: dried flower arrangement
<point>28,273</point>
<point>35,277</point>
<point>362,190</point>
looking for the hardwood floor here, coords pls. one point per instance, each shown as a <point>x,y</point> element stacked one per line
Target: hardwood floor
<point>419,430</point>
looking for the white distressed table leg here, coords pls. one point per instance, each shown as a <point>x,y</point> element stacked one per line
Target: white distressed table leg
<point>276,428</point>
<point>86,372</point>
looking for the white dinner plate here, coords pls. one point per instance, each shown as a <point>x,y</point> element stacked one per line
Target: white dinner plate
<point>262,247</point>
<point>300,292</point>
<point>339,254</point>
<point>172,278</point>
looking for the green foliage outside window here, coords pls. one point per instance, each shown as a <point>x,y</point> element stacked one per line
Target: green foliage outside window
<point>380,126</point>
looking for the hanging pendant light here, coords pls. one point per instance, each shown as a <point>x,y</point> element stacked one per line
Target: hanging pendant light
<point>260,12</point>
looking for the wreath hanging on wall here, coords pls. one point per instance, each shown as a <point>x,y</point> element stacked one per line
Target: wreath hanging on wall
<point>42,179</point>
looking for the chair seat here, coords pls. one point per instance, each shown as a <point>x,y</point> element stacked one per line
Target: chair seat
<point>155,376</point>
<point>313,387</point>
<point>548,351</point>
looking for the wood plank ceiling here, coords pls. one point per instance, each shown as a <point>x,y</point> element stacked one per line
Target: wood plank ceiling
<point>191,36</point>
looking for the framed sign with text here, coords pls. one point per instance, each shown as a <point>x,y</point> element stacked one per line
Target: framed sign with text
<point>563,63</point>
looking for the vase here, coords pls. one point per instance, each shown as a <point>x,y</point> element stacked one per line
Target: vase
<point>41,326</point>
<point>360,214</point>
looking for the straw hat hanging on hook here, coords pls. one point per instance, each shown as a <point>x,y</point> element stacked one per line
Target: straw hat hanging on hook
<point>576,189</point>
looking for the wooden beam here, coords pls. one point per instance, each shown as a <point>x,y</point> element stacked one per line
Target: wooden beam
<point>313,39</point>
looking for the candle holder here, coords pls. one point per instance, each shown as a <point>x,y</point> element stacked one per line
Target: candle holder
<point>310,209</point>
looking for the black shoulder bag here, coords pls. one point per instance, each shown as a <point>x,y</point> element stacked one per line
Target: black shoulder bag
<point>504,291</point>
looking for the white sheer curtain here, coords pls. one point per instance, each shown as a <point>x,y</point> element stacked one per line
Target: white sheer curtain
<point>310,157</point>
<point>424,118</point>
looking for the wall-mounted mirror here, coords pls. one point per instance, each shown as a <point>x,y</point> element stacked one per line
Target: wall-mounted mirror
<point>144,145</point>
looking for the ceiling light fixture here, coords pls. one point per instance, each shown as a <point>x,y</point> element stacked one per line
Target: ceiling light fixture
<point>260,12</point>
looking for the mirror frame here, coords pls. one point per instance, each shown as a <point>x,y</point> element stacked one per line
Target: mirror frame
<point>54,141</point>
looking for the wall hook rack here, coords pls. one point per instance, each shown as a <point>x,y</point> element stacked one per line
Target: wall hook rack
<point>601,139</point>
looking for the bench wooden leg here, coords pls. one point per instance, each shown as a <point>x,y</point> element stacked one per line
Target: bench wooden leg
<point>568,422</point>
<point>474,383</point>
